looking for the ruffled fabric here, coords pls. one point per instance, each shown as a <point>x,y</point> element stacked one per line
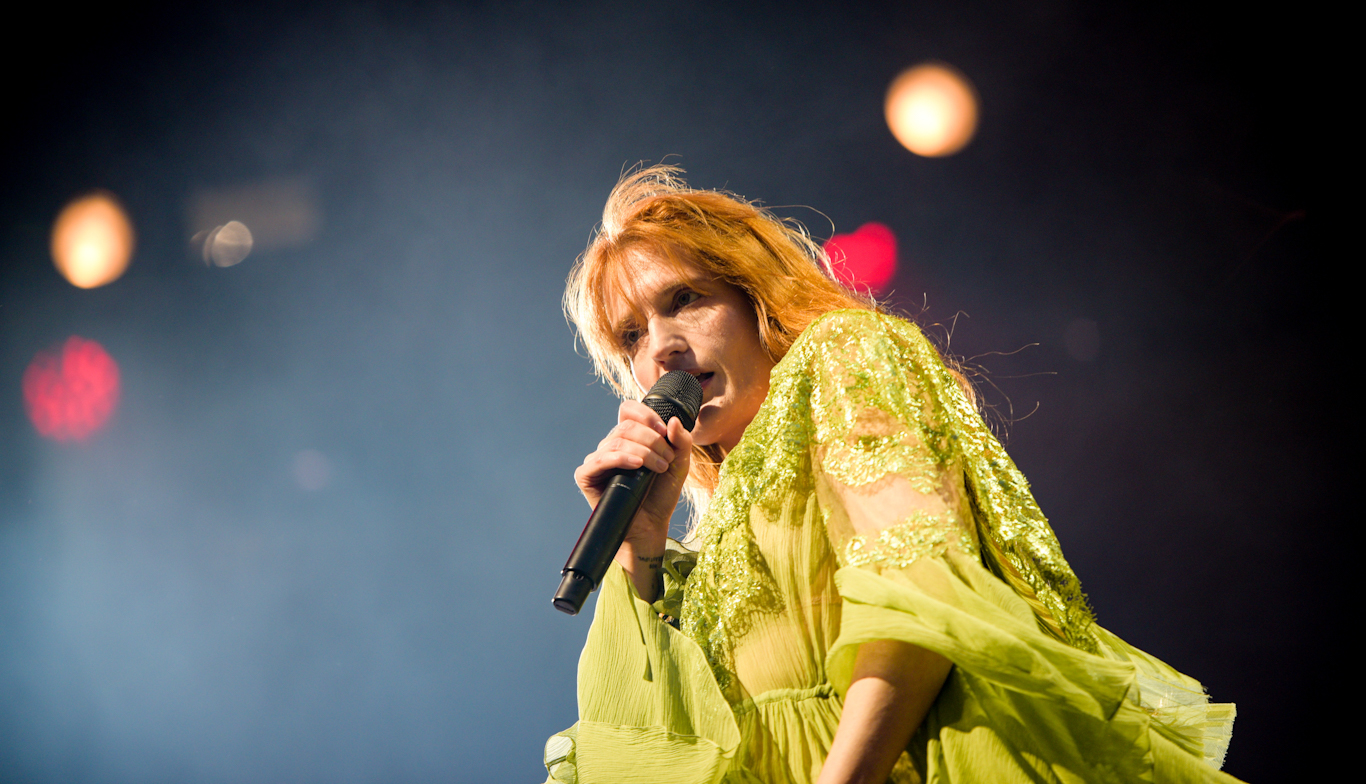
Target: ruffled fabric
<point>1019,703</point>
<point>867,501</point>
<point>647,703</point>
<point>1018,706</point>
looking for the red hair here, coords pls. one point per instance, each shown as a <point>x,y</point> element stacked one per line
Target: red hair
<point>783,272</point>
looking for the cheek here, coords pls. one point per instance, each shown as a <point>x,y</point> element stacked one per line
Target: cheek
<point>642,383</point>
<point>758,391</point>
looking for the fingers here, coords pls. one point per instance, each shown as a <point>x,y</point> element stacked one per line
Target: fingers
<point>639,439</point>
<point>682,448</point>
<point>619,452</point>
<point>636,411</point>
<point>633,438</point>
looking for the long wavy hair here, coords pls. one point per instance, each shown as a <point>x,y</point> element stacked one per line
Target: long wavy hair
<point>785,275</point>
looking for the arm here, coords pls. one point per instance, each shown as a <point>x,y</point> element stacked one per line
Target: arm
<point>890,487</point>
<point>894,685</point>
<point>640,438</point>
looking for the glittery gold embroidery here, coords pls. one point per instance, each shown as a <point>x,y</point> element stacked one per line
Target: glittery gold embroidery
<point>871,428</point>
<point>871,397</point>
<point>924,535</point>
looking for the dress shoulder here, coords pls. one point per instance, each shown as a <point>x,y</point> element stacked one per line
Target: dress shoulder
<point>878,362</point>
<point>847,333</point>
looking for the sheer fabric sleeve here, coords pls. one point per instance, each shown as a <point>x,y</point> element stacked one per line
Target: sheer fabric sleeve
<point>647,700</point>
<point>889,474</point>
<point>926,515</point>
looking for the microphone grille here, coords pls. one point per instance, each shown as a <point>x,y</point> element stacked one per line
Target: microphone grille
<point>676,394</point>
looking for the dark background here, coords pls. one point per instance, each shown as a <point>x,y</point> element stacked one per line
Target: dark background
<point>176,607</point>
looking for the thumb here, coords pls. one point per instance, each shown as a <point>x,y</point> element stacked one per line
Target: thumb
<point>679,437</point>
<point>681,440</point>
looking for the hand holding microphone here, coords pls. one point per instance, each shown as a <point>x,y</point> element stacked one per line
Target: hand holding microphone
<point>622,472</point>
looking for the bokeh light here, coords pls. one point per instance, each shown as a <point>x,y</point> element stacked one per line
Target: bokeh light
<point>70,394</point>
<point>865,259</point>
<point>225,245</point>
<point>932,110</point>
<point>281,213</point>
<point>92,241</point>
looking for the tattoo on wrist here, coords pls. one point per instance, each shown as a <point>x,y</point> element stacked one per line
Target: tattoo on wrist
<point>654,562</point>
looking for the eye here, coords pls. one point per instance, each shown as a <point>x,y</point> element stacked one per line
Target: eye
<point>628,337</point>
<point>686,297</point>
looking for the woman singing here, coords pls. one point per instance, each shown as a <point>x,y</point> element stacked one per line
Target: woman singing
<point>869,592</point>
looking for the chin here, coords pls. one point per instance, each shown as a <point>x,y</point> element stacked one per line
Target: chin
<point>703,439</point>
<point>706,437</point>
<point>705,433</point>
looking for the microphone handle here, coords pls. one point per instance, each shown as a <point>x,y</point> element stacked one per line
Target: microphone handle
<point>602,537</point>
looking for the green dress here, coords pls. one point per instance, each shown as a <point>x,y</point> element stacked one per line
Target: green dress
<point>868,500</point>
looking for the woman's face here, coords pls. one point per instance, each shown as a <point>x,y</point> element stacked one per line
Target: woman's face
<point>688,320</point>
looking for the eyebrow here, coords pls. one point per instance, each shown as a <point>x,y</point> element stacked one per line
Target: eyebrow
<point>629,321</point>
<point>621,326</point>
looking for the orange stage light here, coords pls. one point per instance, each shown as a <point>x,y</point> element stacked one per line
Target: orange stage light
<point>92,241</point>
<point>932,110</point>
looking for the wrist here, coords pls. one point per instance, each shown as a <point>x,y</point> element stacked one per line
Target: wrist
<point>645,567</point>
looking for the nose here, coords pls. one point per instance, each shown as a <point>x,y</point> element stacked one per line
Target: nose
<point>667,344</point>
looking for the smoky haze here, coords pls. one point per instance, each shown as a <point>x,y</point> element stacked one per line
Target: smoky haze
<point>318,539</point>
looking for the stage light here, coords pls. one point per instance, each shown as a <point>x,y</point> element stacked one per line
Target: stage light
<point>865,259</point>
<point>254,217</point>
<point>71,394</point>
<point>932,110</point>
<point>92,241</point>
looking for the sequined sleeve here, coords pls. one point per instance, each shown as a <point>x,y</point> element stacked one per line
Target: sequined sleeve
<point>887,474</point>
<point>866,434</point>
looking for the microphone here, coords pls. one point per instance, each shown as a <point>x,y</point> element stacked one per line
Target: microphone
<point>676,394</point>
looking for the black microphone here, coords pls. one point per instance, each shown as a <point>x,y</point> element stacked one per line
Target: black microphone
<point>677,394</point>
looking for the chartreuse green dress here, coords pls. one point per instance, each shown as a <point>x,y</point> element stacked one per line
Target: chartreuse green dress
<point>867,501</point>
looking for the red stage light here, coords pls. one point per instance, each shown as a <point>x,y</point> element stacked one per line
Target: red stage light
<point>864,259</point>
<point>70,395</point>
